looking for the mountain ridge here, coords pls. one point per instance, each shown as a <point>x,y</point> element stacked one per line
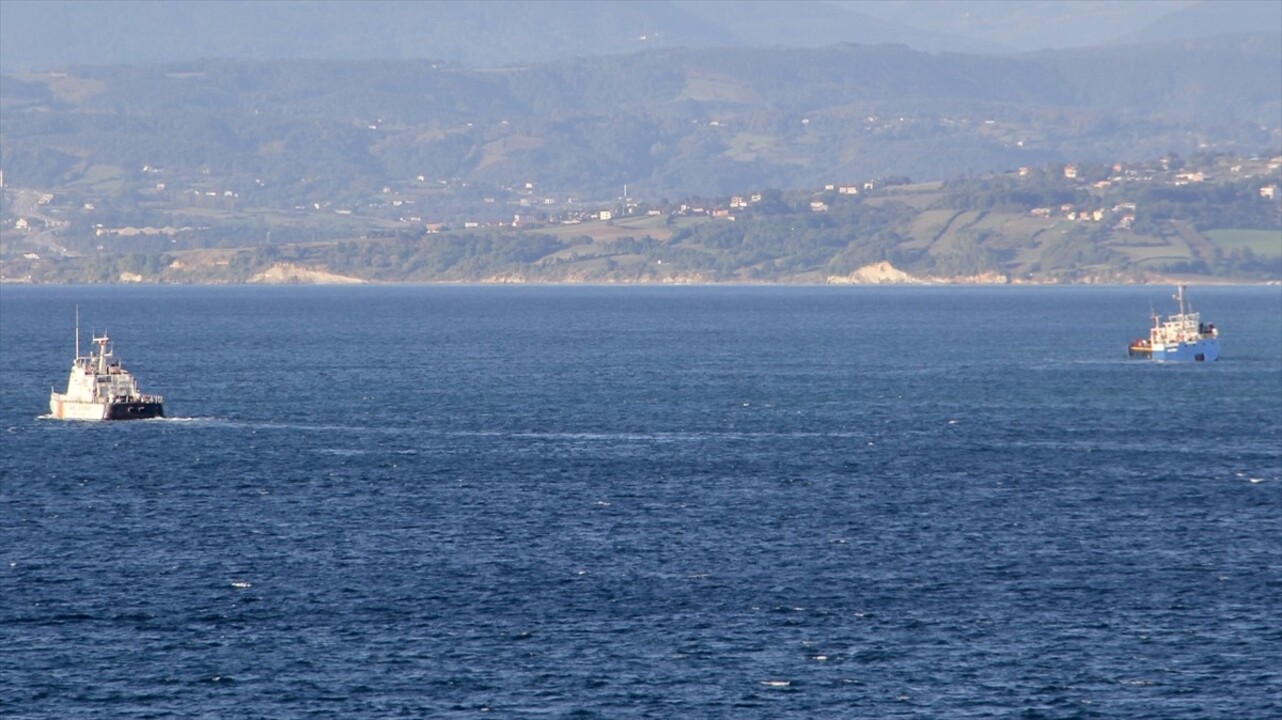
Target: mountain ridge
<point>666,122</point>
<point>45,35</point>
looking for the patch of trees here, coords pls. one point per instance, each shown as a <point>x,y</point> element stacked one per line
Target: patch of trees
<point>1207,205</point>
<point>1006,194</point>
<point>430,257</point>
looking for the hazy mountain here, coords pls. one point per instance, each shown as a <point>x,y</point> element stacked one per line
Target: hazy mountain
<point>1222,17</point>
<point>45,34</point>
<point>1054,24</point>
<point>813,25</point>
<point>51,33</point>
<point>665,121</point>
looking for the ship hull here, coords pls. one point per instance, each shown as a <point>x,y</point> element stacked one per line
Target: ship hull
<point>1197,351</point>
<point>64,409</point>
<point>134,411</point>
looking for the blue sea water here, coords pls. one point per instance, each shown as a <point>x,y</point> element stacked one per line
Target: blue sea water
<point>643,502</point>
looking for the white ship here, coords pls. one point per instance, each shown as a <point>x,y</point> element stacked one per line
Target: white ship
<point>99,388</point>
<point>1182,337</point>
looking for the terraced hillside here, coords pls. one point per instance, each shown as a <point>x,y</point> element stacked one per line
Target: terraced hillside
<point>1145,222</point>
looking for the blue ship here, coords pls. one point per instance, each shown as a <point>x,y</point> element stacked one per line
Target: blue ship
<point>1181,337</point>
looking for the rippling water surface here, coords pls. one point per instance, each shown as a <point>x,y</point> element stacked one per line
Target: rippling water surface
<point>643,502</point>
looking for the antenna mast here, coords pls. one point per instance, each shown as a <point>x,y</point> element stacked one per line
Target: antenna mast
<point>77,332</point>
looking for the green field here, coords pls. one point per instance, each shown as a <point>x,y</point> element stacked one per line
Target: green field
<point>1264,243</point>
<point>103,178</point>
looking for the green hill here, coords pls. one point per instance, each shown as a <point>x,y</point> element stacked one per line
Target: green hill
<point>665,123</point>
<point>1204,218</point>
<point>282,160</point>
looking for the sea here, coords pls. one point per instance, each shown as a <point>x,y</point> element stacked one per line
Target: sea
<point>643,502</point>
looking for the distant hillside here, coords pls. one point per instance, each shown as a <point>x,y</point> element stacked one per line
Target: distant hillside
<point>1202,19</point>
<point>1207,217</point>
<point>49,34</point>
<point>42,35</point>
<point>665,123</point>
<point>1030,25</point>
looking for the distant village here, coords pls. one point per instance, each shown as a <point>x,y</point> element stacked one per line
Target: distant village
<point>529,208</point>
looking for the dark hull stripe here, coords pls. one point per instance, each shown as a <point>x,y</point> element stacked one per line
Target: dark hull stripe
<point>135,411</point>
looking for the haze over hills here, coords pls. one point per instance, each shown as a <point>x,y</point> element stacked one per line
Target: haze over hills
<point>1211,18</point>
<point>665,122</point>
<point>1030,25</point>
<point>47,34</point>
<point>272,123</point>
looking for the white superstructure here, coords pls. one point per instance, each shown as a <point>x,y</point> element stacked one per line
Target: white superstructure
<point>1181,337</point>
<point>99,388</point>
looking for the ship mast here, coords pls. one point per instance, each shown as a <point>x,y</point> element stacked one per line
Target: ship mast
<point>77,332</point>
<point>101,342</point>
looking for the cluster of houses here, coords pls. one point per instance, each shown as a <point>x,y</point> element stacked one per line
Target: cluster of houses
<point>1121,173</point>
<point>627,206</point>
<point>537,208</point>
<point>1123,214</point>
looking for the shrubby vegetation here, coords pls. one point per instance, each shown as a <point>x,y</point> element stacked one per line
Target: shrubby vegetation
<point>1020,226</point>
<point>345,166</point>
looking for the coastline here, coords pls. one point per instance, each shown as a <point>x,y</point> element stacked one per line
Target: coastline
<point>875,274</point>
<point>1192,281</point>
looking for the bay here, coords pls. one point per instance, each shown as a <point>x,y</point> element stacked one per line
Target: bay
<point>773,502</point>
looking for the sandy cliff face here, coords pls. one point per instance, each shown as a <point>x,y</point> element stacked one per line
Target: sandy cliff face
<point>290,273</point>
<point>883,273</point>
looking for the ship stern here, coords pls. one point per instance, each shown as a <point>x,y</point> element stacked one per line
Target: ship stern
<point>135,411</point>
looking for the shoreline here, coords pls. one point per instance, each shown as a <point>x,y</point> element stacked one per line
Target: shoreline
<point>1196,282</point>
